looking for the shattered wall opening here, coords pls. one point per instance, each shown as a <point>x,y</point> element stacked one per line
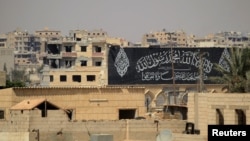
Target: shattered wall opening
<point>53,49</point>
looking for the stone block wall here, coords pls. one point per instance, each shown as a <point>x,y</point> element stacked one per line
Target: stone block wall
<point>90,103</point>
<point>202,108</point>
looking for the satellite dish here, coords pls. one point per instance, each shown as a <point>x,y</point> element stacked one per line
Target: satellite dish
<point>165,135</point>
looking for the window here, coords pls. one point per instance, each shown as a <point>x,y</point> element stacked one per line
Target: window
<point>1,114</point>
<point>63,78</point>
<point>68,63</point>
<point>98,63</point>
<point>90,77</point>
<point>68,48</point>
<point>98,49</point>
<point>83,48</point>
<point>83,63</point>
<point>76,78</point>
<point>51,78</point>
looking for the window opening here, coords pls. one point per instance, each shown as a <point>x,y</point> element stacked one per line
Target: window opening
<point>90,77</point>
<point>240,117</point>
<point>76,78</point>
<point>127,113</point>
<point>219,117</point>
<point>63,78</point>
<point>83,63</point>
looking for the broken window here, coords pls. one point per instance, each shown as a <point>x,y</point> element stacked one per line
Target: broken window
<point>90,77</point>
<point>69,113</point>
<point>63,78</point>
<point>83,48</point>
<point>83,63</point>
<point>98,63</point>
<point>68,63</point>
<point>68,48</point>
<point>1,114</point>
<point>54,63</point>
<point>76,78</point>
<point>53,49</point>
<point>98,49</point>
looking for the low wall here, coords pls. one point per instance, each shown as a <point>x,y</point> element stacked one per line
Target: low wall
<point>14,136</point>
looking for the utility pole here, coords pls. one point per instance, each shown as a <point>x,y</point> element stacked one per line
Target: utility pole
<point>201,54</point>
<point>172,63</point>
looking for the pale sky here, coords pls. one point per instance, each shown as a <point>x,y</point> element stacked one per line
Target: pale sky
<point>129,19</point>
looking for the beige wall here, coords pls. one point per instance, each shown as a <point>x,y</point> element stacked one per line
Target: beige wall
<point>202,108</point>
<point>93,103</point>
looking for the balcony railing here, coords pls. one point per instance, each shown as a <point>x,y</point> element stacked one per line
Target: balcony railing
<point>54,56</point>
<point>97,54</point>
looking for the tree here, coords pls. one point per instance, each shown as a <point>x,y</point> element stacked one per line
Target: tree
<point>238,66</point>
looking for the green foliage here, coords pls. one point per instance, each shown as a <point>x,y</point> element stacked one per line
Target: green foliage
<point>10,84</point>
<point>239,65</point>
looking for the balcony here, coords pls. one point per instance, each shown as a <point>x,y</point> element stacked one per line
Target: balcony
<point>69,54</point>
<point>55,41</point>
<point>97,54</point>
<point>54,56</point>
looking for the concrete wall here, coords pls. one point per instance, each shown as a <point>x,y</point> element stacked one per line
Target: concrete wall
<point>56,126</point>
<point>7,58</point>
<point>202,108</point>
<point>6,101</point>
<point>91,103</point>
<point>14,136</point>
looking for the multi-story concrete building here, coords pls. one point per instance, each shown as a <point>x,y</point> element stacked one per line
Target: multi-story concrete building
<point>177,38</point>
<point>7,60</point>
<point>3,40</point>
<point>26,48</point>
<point>6,56</point>
<point>46,35</point>
<point>77,60</point>
<point>234,39</point>
<point>223,39</point>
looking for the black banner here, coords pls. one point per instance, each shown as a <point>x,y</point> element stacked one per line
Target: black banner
<point>155,65</point>
<point>228,132</point>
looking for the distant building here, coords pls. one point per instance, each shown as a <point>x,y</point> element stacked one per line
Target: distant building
<point>2,78</point>
<point>26,48</point>
<point>7,60</point>
<point>224,39</point>
<point>3,40</point>
<point>177,38</point>
<point>77,60</point>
